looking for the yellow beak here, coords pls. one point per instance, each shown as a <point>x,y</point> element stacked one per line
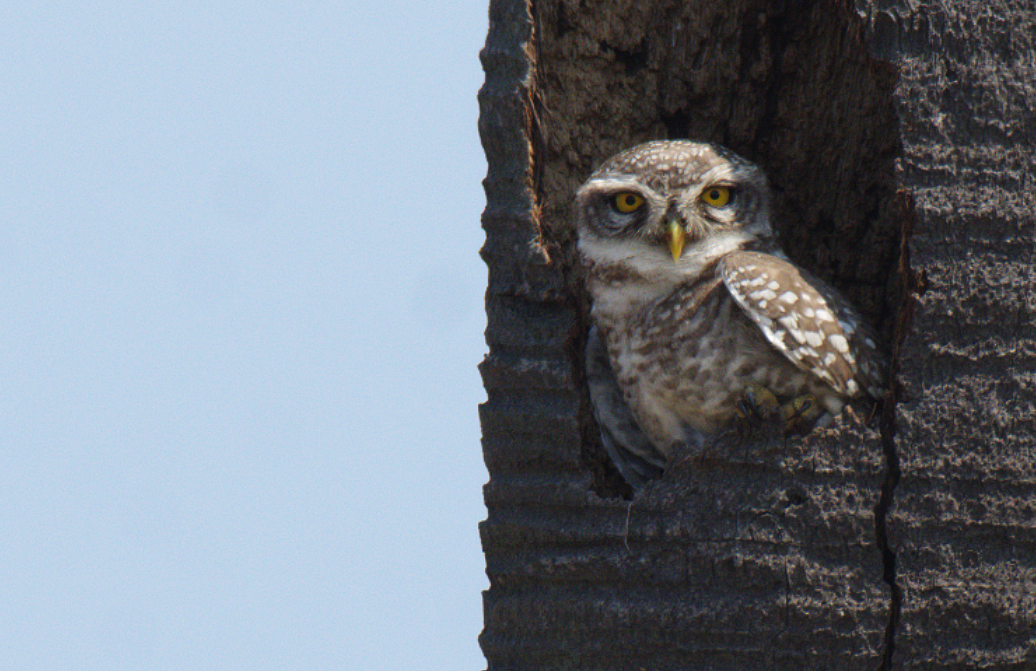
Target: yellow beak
<point>677,236</point>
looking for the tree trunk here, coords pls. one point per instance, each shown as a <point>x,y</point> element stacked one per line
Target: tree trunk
<point>898,137</point>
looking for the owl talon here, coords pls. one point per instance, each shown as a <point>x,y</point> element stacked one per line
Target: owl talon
<point>800,414</point>
<point>758,405</point>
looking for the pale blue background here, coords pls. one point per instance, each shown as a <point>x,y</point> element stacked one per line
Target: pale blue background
<point>240,318</point>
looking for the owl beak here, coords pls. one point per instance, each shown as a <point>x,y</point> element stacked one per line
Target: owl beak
<point>677,236</point>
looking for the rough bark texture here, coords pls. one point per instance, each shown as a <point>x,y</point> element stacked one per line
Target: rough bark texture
<point>898,137</point>
<point>963,521</point>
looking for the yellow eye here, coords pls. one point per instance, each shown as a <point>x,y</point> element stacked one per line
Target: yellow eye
<point>627,202</point>
<point>716,196</point>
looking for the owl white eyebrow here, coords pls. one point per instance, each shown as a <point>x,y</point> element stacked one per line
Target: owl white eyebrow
<point>617,183</point>
<point>718,175</point>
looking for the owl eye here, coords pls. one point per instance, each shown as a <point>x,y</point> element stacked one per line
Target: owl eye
<point>716,196</point>
<point>627,202</point>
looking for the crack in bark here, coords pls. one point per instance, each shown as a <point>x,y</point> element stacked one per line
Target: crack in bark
<point>912,285</point>
<point>888,556</point>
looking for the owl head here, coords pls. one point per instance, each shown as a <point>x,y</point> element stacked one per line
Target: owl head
<point>666,209</point>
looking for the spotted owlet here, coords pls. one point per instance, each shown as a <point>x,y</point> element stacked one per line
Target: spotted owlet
<point>698,314</point>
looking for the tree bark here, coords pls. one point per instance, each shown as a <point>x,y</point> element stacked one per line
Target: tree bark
<point>898,136</point>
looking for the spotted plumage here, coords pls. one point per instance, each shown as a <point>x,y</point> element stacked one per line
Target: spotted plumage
<point>694,302</point>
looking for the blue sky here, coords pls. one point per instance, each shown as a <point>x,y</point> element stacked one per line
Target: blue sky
<point>241,306</point>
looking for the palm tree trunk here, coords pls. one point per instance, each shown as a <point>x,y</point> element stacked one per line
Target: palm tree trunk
<point>898,136</point>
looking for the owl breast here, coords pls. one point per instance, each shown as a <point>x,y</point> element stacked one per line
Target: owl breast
<point>684,361</point>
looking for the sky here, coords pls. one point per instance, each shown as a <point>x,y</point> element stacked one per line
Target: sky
<point>240,318</point>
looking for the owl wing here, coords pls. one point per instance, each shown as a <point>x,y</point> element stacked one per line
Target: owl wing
<point>637,459</point>
<point>807,321</point>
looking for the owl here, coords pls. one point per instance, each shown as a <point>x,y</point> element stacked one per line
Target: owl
<point>699,319</point>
